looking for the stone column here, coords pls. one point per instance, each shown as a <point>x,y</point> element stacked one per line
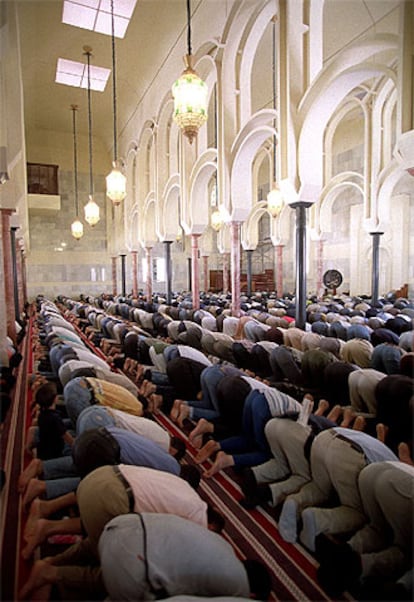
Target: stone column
<point>375,265</point>
<point>195,271</point>
<point>300,208</point>
<point>13,241</point>
<point>226,274</point>
<point>134,255</point>
<point>279,270</point>
<point>123,274</point>
<point>205,272</point>
<point>148,283</point>
<point>235,268</point>
<point>114,276</point>
<point>319,269</point>
<point>167,248</point>
<point>249,254</point>
<point>8,273</point>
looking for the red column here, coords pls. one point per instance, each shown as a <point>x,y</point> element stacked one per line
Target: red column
<point>148,284</point>
<point>279,270</point>
<point>205,265</point>
<point>319,269</point>
<point>226,286</point>
<point>8,273</point>
<point>24,275</point>
<point>134,273</point>
<point>235,268</point>
<point>114,286</point>
<point>195,271</point>
<point>19,266</point>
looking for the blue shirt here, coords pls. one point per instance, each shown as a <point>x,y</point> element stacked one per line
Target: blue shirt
<point>374,450</point>
<point>140,451</point>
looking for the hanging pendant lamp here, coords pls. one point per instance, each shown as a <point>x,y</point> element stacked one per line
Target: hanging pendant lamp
<point>77,226</point>
<point>275,201</point>
<point>190,94</point>
<point>116,180</point>
<point>91,208</point>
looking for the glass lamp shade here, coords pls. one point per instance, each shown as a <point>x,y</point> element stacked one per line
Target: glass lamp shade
<point>77,229</point>
<point>116,185</point>
<point>275,201</point>
<point>190,101</point>
<point>216,220</point>
<point>92,212</point>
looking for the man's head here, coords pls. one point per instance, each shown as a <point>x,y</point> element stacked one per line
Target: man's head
<point>259,579</point>
<point>94,448</point>
<point>45,395</point>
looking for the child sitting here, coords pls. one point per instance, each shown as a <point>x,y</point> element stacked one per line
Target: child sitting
<point>54,439</point>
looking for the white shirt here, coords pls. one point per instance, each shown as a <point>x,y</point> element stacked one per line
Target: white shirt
<point>162,492</point>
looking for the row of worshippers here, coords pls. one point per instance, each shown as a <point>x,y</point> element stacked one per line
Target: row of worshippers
<point>223,465</point>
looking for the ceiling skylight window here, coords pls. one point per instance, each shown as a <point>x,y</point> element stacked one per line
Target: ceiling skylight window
<point>72,73</point>
<point>96,15</point>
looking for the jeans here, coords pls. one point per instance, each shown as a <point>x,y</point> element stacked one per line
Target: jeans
<point>77,397</point>
<point>207,407</point>
<point>60,476</point>
<point>251,447</point>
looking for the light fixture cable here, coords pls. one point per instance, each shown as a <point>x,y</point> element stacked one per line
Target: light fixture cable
<point>114,80</point>
<point>116,180</point>
<point>75,158</point>
<point>189,51</point>
<point>76,226</point>
<point>88,55</point>
<point>91,207</point>
<point>274,94</point>
<point>274,198</point>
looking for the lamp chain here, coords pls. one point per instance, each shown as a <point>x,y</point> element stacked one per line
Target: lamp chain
<point>114,79</point>
<point>75,158</point>
<point>274,96</point>
<point>88,54</point>
<point>188,28</point>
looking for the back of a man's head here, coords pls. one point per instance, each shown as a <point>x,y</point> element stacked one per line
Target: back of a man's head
<point>259,579</point>
<point>95,448</point>
<point>190,474</point>
<point>45,395</point>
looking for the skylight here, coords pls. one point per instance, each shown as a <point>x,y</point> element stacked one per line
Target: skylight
<point>95,15</point>
<point>72,73</point>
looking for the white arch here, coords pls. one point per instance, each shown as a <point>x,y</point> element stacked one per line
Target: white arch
<point>198,210</point>
<point>244,150</point>
<point>321,100</point>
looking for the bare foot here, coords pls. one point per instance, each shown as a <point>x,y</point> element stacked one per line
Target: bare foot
<point>155,403</point>
<point>359,423</point>
<point>223,460</point>
<point>308,396</point>
<point>335,413</point>
<point>206,451</point>
<point>38,536</point>
<point>196,436</point>
<point>138,374</point>
<point>382,432</point>
<point>33,469</point>
<point>35,513</point>
<point>347,417</point>
<point>183,414</point>
<point>42,574</point>
<point>148,388</point>
<point>175,410</point>
<point>404,454</point>
<point>34,489</point>
<point>323,406</point>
